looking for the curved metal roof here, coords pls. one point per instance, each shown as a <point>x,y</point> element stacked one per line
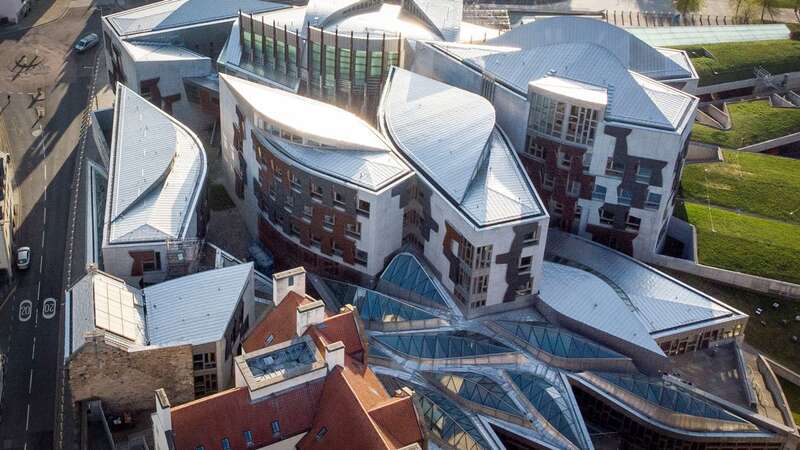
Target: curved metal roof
<point>449,135</point>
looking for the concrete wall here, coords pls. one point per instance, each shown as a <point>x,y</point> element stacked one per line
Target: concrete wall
<point>772,143</point>
<point>792,82</point>
<point>11,9</point>
<point>729,277</point>
<point>125,380</point>
<point>102,123</point>
<point>684,232</point>
<point>699,152</point>
<point>118,262</point>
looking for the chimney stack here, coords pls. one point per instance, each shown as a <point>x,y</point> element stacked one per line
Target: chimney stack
<point>334,355</point>
<point>309,314</point>
<point>293,280</point>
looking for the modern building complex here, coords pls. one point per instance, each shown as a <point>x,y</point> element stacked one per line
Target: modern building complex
<point>155,209</point>
<point>182,333</point>
<point>341,197</point>
<point>339,51</point>
<point>165,51</point>
<point>596,114</point>
<point>308,387</point>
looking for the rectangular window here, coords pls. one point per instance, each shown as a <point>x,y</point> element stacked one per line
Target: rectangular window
<point>316,191</point>
<point>337,250</point>
<point>152,262</point>
<point>321,433</point>
<point>353,229</point>
<point>226,444</point>
<point>201,361</point>
<point>248,438</point>
<point>276,428</point>
<point>573,188</point>
<point>546,115</point>
<point>483,257</point>
<point>633,223</point>
<point>606,217</point>
<point>296,185</point>
<point>289,204</point>
<point>653,201</point>
<point>294,230</point>
<point>363,207</point>
<point>480,284</point>
<point>308,212</point>
<point>525,263</point>
<point>338,199</point>
<point>329,220</point>
<point>478,304</point>
<point>549,181</point>
<point>558,208</point>
<point>581,126</point>
<point>564,160</point>
<point>525,288</point>
<point>643,174</point>
<point>315,241</point>
<point>536,150</point>
<point>599,193</point>
<point>362,257</point>
<point>532,238</point>
<point>625,197</point>
<point>587,160</point>
<point>614,168</point>
<point>205,384</point>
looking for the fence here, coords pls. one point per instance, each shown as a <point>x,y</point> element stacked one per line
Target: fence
<point>668,19</point>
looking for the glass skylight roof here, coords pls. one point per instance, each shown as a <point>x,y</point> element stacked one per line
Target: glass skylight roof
<point>374,306</point>
<point>671,36</point>
<point>406,272</point>
<point>557,341</point>
<point>656,391</point>
<point>443,345</point>
<point>442,416</point>
<point>280,361</point>
<point>479,389</point>
<point>547,399</point>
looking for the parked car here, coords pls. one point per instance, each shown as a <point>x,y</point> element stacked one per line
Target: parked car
<point>23,258</point>
<point>87,42</point>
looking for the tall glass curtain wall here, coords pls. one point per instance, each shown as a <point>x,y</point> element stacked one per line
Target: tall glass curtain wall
<point>344,69</point>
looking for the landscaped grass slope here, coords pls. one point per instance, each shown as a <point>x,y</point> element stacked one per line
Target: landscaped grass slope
<point>735,61</point>
<point>744,243</point>
<point>753,122</point>
<point>761,184</point>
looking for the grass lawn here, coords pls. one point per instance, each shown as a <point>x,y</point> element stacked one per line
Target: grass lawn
<point>761,184</point>
<point>775,339</point>
<point>792,392</point>
<point>743,243</point>
<point>218,199</point>
<point>735,61</point>
<point>753,122</point>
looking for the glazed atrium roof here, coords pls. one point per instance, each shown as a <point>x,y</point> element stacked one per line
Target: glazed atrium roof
<point>516,372</point>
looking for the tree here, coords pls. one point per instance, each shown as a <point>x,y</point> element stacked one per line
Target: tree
<point>767,6</point>
<point>739,4</point>
<point>688,6</point>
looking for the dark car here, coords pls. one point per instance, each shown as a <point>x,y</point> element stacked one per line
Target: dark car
<point>87,42</point>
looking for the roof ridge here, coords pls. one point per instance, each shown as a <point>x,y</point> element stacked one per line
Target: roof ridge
<point>364,409</point>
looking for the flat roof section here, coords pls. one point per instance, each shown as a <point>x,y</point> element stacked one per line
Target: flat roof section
<point>169,14</point>
<point>674,36</point>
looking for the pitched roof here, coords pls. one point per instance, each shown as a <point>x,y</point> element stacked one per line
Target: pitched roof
<point>158,167</point>
<point>449,135</point>
<point>195,308</point>
<point>229,413</point>
<point>350,394</point>
<point>342,327</point>
<point>280,323</point>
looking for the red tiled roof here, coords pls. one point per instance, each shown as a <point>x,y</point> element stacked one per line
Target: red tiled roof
<point>350,393</point>
<point>230,413</point>
<point>341,327</point>
<point>281,323</point>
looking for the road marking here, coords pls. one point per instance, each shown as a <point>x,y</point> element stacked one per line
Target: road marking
<point>41,263</point>
<point>44,218</point>
<point>28,418</point>
<point>30,382</point>
<point>33,350</point>
<point>25,310</point>
<point>39,289</point>
<point>49,308</point>
<point>43,239</point>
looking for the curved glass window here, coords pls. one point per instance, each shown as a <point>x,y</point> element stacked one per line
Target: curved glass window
<point>557,341</point>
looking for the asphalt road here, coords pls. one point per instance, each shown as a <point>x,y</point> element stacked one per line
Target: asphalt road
<point>44,156</point>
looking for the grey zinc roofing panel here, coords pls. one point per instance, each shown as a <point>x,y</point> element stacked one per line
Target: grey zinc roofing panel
<point>178,13</point>
<point>158,170</point>
<point>442,129</point>
<point>658,301</point>
<point>586,298</point>
<point>627,49</point>
<point>449,134</point>
<point>591,64</point>
<point>195,308</point>
<point>445,15</point>
<point>500,191</point>
<point>369,169</point>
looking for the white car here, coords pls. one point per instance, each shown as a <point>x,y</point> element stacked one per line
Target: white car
<point>23,258</point>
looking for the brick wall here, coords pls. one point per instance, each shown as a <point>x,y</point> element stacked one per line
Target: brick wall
<point>125,381</point>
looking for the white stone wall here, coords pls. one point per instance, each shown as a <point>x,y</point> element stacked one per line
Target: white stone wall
<point>11,9</point>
